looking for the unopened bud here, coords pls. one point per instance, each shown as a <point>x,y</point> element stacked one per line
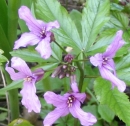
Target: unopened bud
<point>72,68</point>
<point>61,75</point>
<point>56,72</point>
<point>67,74</point>
<point>68,58</point>
<point>64,66</point>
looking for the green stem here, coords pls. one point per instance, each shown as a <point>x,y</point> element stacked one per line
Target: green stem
<point>13,6</point>
<point>91,93</point>
<point>79,60</point>
<point>13,99</point>
<point>60,47</point>
<point>81,80</point>
<point>86,76</point>
<point>76,122</point>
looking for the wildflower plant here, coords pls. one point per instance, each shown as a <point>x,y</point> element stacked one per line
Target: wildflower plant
<point>85,85</point>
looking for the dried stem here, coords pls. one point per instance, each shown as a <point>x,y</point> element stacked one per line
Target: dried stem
<point>6,94</point>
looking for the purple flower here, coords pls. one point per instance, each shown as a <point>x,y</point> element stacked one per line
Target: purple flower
<point>106,64</point>
<point>69,102</point>
<point>29,97</point>
<point>39,33</point>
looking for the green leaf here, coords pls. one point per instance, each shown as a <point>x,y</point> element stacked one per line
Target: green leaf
<point>95,15</point>
<point>114,99</point>
<point>13,85</point>
<point>30,55</point>
<point>126,35</point>
<point>47,66</point>
<point>4,44</point>
<point>50,10</point>
<point>92,109</point>
<point>3,58</point>
<point>124,74</point>
<point>119,20</point>
<point>116,7</point>
<point>3,116</point>
<point>3,15</point>
<point>13,6</point>
<point>106,113</point>
<point>76,16</point>
<point>104,39</point>
<point>56,51</point>
<point>123,62</point>
<point>20,122</point>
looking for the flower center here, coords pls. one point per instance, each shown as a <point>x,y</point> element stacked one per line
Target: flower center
<point>105,59</point>
<point>28,79</point>
<point>70,101</point>
<point>43,33</point>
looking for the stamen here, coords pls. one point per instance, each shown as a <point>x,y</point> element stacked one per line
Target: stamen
<point>43,33</point>
<point>28,79</point>
<point>105,59</point>
<point>70,101</point>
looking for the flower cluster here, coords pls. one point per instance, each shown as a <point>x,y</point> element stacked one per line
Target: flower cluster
<point>40,35</point>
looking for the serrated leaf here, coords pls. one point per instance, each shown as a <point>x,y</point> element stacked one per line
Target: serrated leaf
<point>116,100</point>
<point>126,35</point>
<point>47,66</point>
<point>56,51</point>
<point>120,20</point>
<point>124,74</point>
<point>117,7</point>
<point>106,113</point>
<point>76,16</point>
<point>50,10</point>
<point>30,55</point>
<point>104,39</point>
<point>123,62</point>
<point>13,85</point>
<point>95,15</point>
<point>92,109</point>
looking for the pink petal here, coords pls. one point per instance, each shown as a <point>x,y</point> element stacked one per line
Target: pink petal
<point>110,66</point>
<point>52,25</point>
<point>106,74</point>
<point>26,39</point>
<point>21,66</point>
<point>79,96</point>
<point>56,100</point>
<point>74,85</point>
<point>31,22</point>
<point>39,73</point>
<point>13,74</point>
<point>96,60</point>
<point>86,119</point>
<point>54,115</point>
<point>44,48</point>
<point>115,45</point>
<point>29,98</point>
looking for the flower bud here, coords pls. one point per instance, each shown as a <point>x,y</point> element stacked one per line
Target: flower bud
<point>68,58</point>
